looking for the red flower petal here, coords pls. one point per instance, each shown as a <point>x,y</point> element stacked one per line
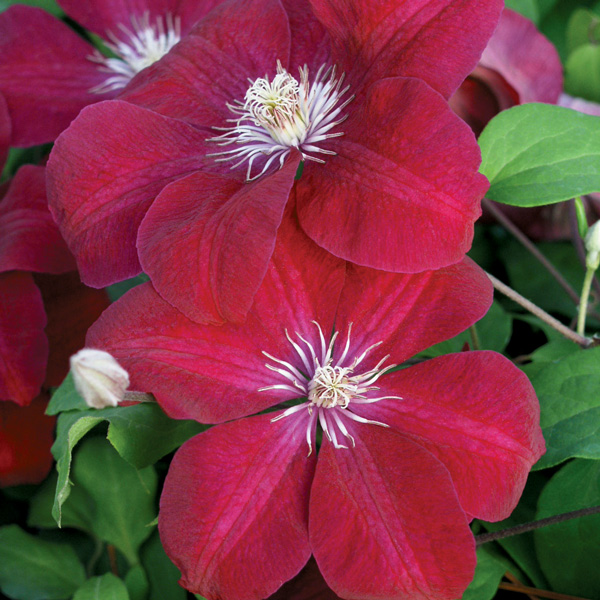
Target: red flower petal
<point>102,179</point>
<point>233,512</point>
<point>409,313</point>
<point>210,373</point>
<point>67,301</point>
<point>403,193</point>
<point>211,66</point>
<point>526,59</point>
<point>26,435</point>
<point>478,414</point>
<point>23,344</point>
<point>438,41</point>
<point>29,237</point>
<point>385,521</point>
<point>220,233</point>
<point>102,16</point>
<point>45,74</point>
<point>5,131</point>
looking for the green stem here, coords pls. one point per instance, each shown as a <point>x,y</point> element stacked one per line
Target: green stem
<point>583,304</point>
<point>474,338</point>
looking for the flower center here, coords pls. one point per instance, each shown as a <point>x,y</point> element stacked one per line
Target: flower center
<point>141,47</point>
<point>282,114</point>
<point>330,388</point>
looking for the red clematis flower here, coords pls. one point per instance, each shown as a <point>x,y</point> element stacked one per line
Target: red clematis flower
<point>202,163</point>
<point>518,65</point>
<point>48,73</point>
<point>407,457</point>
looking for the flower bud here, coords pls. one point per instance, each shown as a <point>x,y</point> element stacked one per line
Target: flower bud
<point>99,378</point>
<point>592,245</point>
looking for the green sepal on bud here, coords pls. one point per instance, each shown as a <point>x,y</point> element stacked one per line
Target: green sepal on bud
<point>592,246</point>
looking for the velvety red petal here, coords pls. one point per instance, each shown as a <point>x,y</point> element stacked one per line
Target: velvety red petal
<point>103,16</point>
<point>311,45</point>
<point>26,435</point>
<point>526,59</point>
<point>211,66</point>
<point>409,313</point>
<point>5,131</point>
<point>438,41</point>
<point>29,237</point>
<point>67,301</point>
<point>45,74</point>
<point>23,344</point>
<point>403,192</point>
<point>212,373</point>
<point>234,508</point>
<point>385,521</point>
<point>478,414</point>
<point>102,178</point>
<point>220,233</point>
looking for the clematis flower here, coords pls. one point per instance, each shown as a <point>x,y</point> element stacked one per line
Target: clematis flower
<point>48,73</point>
<point>210,139</point>
<point>407,456</point>
<point>518,65</point>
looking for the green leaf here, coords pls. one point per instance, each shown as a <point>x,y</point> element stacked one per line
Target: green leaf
<point>137,583</point>
<point>141,433</point>
<point>569,393</point>
<point>537,154</point>
<point>105,587</point>
<point>582,73</point>
<point>568,552</point>
<point>493,332</point>
<point>488,573</point>
<point>65,398</point>
<point>33,569</point>
<point>162,573</point>
<point>117,290</point>
<point>528,8</point>
<point>124,498</point>
<point>583,28</point>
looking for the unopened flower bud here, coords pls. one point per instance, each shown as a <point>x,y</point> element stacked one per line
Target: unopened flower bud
<point>592,245</point>
<point>99,378</point>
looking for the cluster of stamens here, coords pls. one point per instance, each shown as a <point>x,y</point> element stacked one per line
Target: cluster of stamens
<point>282,114</point>
<point>142,47</point>
<point>330,389</point>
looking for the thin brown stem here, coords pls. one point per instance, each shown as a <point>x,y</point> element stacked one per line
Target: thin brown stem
<point>515,581</point>
<point>484,538</point>
<point>514,587</point>
<point>112,557</point>
<point>532,248</point>
<point>540,313</point>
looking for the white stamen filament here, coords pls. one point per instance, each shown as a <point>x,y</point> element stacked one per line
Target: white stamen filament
<point>282,114</point>
<point>142,47</point>
<point>330,389</point>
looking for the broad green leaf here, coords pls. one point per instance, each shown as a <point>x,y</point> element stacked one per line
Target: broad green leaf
<point>105,587</point>
<point>65,398</point>
<point>537,154</point>
<point>569,393</point>
<point>582,73</point>
<point>488,573</point>
<point>33,569</point>
<point>493,333</point>
<point>137,583</point>
<point>141,433</point>
<point>116,290</point>
<point>528,8</point>
<point>535,283</point>
<point>163,575</point>
<point>124,498</point>
<point>568,552</point>
<point>583,28</point>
